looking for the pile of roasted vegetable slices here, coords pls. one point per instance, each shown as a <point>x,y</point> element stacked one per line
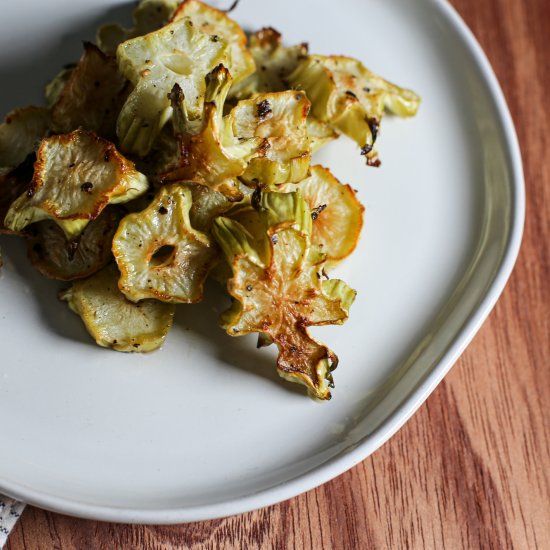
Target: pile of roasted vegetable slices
<point>181,149</point>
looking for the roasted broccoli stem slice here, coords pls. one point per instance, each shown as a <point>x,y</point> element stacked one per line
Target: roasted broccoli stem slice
<point>278,289</point>
<point>20,134</point>
<point>76,176</point>
<point>217,24</point>
<point>274,63</point>
<point>344,93</point>
<point>280,119</point>
<point>92,96</point>
<point>178,53</point>
<point>113,321</point>
<point>211,155</point>
<point>336,212</point>
<point>56,257</point>
<point>159,254</point>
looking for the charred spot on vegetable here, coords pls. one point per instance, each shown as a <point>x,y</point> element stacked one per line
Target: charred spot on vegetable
<point>374,125</point>
<point>275,239</point>
<point>374,162</point>
<point>257,199</point>
<point>87,187</point>
<point>366,149</point>
<point>264,109</point>
<point>72,247</point>
<point>351,94</point>
<point>163,210</point>
<point>215,38</point>
<point>316,211</point>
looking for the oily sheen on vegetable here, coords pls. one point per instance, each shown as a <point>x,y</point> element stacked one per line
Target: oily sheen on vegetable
<point>180,149</point>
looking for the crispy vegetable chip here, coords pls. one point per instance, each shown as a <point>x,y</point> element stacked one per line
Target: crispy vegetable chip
<point>92,96</point>
<point>20,134</point>
<point>274,63</point>
<point>56,257</point>
<point>281,120</point>
<point>159,254</point>
<point>217,24</point>
<point>213,155</point>
<point>336,212</point>
<point>114,322</point>
<point>346,94</point>
<point>76,176</point>
<point>55,86</point>
<point>149,16</point>
<point>12,185</point>
<point>278,289</point>
<point>178,53</point>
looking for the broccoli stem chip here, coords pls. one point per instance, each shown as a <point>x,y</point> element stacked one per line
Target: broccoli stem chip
<point>20,134</point>
<point>92,95</point>
<point>336,212</point>
<point>211,155</point>
<point>280,119</point>
<point>278,289</point>
<point>56,257</point>
<point>76,176</point>
<point>351,98</point>
<point>217,24</point>
<point>274,63</point>
<point>178,53</point>
<point>159,254</point>
<point>114,322</point>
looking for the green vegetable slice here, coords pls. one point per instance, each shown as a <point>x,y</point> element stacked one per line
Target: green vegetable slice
<point>280,119</point>
<point>178,53</point>
<point>211,155</point>
<point>159,254</point>
<point>76,176</point>
<point>336,212</point>
<point>346,94</point>
<point>218,25</point>
<point>20,134</point>
<point>274,63</point>
<point>278,289</point>
<point>114,322</point>
<point>56,257</point>
<point>92,96</point>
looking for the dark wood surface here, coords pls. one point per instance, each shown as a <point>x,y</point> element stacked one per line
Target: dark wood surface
<point>472,467</point>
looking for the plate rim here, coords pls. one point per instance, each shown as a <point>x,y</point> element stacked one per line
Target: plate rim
<point>347,459</point>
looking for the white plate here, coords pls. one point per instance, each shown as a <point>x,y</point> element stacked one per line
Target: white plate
<point>205,428</point>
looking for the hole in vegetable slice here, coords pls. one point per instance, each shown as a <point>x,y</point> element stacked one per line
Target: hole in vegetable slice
<point>164,256</point>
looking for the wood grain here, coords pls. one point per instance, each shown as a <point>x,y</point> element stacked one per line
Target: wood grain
<point>472,468</point>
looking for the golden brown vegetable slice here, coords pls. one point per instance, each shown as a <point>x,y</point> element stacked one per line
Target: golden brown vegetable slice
<point>178,53</point>
<point>346,94</point>
<point>336,211</point>
<point>76,176</point>
<point>55,86</point>
<point>217,24</point>
<point>114,322</point>
<point>278,289</point>
<point>20,134</point>
<point>92,96</point>
<point>212,155</point>
<point>12,185</point>
<point>159,254</point>
<point>58,258</point>
<point>274,63</point>
<point>280,119</point>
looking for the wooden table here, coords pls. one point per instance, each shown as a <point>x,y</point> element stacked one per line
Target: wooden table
<point>472,467</point>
